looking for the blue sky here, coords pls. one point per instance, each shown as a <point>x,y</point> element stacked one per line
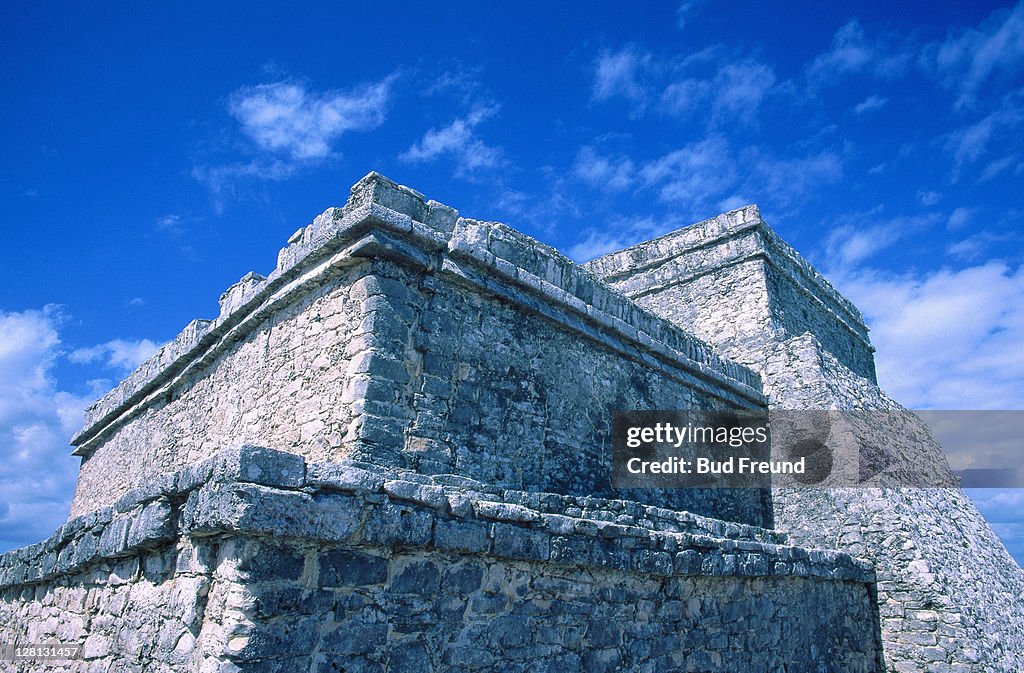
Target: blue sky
<point>152,156</point>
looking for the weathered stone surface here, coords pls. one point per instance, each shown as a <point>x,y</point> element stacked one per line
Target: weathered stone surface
<point>250,577</point>
<point>733,282</point>
<point>459,347</point>
<point>437,391</point>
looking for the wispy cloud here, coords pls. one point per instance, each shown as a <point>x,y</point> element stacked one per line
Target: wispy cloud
<point>459,140</point>
<point>123,355</point>
<point>928,197</point>
<point>848,245</point>
<point>965,62</point>
<point>289,127</point>
<point>596,243</point>
<point>849,53</point>
<point>618,74</point>
<point>614,173</point>
<point>734,93</point>
<point>287,119</point>
<point>170,223</point>
<point>679,86</point>
<point>869,104</point>
<point>984,243</point>
<point>620,232</point>
<point>707,174</point>
<point>787,179</point>
<point>968,144</point>
<point>695,174</point>
<point>37,418</point>
<point>997,166</point>
<point>224,181</point>
<point>853,52</point>
<point>1002,509</point>
<point>856,237</point>
<point>687,9</point>
<point>959,218</point>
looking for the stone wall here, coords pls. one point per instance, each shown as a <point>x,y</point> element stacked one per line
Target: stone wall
<point>440,389</point>
<point>948,591</point>
<point>286,382</point>
<point>732,281</point>
<point>445,345</point>
<point>253,560</point>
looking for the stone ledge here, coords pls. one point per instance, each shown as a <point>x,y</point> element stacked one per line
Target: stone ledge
<point>263,492</point>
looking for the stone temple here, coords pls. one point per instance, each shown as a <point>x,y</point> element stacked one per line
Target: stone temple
<point>392,454</point>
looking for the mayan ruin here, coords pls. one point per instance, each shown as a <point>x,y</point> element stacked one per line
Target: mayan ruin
<point>392,454</point>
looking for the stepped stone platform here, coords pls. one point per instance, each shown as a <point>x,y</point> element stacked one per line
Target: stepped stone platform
<point>949,593</point>
<point>254,559</point>
<point>392,453</point>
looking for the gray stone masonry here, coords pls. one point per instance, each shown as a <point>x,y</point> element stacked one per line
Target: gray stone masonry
<point>949,593</point>
<point>732,281</point>
<point>255,560</point>
<point>438,392</point>
<point>396,332</point>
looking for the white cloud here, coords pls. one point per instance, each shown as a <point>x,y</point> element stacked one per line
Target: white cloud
<point>226,181</point>
<point>618,74</point>
<point>597,243</point>
<point>288,119</point>
<point>1002,509</point>
<point>871,103</point>
<point>949,339</point>
<point>37,471</point>
<point>612,173</point>
<point>734,93</point>
<point>706,174</point>
<point>686,9</point>
<point>619,233</point>
<point>977,245</point>
<point>973,439</point>
<point>967,61</point>
<point>928,197</point>
<point>959,218</point>
<point>37,419</point>
<point>1000,506</point>
<point>28,348</point>
<point>695,174</point>
<point>685,96</point>
<point>460,141</point>
<point>742,86</point>
<point>848,245</point>
<point>969,143</point>
<point>123,355</point>
<point>170,223</point>
<point>733,202</point>
<point>788,179</point>
<point>851,52</point>
<point>291,128</point>
<point>994,168</point>
<point>855,238</point>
